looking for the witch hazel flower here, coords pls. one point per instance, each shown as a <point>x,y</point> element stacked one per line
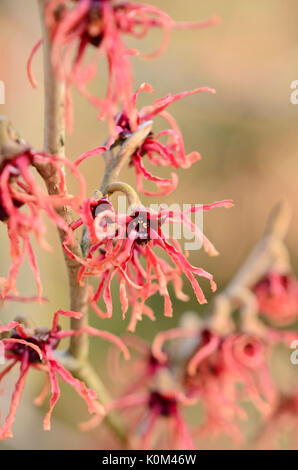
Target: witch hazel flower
<point>155,415</point>
<point>35,348</point>
<point>165,148</point>
<point>129,377</point>
<point>169,153</point>
<point>277,297</point>
<point>160,420</point>
<point>120,243</point>
<point>77,25</point>
<point>222,373</point>
<point>22,202</point>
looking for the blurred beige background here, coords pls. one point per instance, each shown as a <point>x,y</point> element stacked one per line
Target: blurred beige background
<point>246,133</point>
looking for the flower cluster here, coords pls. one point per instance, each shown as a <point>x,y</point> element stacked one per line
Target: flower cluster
<point>22,202</point>
<point>120,243</point>
<point>171,153</point>
<point>76,25</point>
<point>113,244</point>
<point>35,348</point>
<point>193,366</point>
<point>188,367</point>
<point>152,404</point>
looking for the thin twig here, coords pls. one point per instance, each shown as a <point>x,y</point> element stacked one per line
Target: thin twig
<point>54,143</point>
<point>132,197</point>
<point>115,164</point>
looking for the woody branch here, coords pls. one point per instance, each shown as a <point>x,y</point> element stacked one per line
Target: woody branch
<point>54,142</point>
<point>270,253</point>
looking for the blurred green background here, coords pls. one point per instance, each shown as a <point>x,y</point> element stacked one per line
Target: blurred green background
<point>246,133</point>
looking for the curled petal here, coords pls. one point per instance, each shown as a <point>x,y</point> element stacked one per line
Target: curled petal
<point>66,313</point>
<point>5,430</point>
<point>29,63</point>
<point>162,103</point>
<point>168,335</point>
<point>203,352</point>
<point>90,153</point>
<point>108,336</point>
<point>25,343</point>
<point>55,394</point>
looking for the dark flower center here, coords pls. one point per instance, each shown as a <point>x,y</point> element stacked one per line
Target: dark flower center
<point>144,226</point>
<point>3,213</point>
<point>216,369</point>
<point>94,32</point>
<point>40,338</point>
<point>122,120</point>
<point>249,349</point>
<point>164,405</point>
<point>206,336</point>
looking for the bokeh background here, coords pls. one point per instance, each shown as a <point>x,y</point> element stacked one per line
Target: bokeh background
<point>246,133</point>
